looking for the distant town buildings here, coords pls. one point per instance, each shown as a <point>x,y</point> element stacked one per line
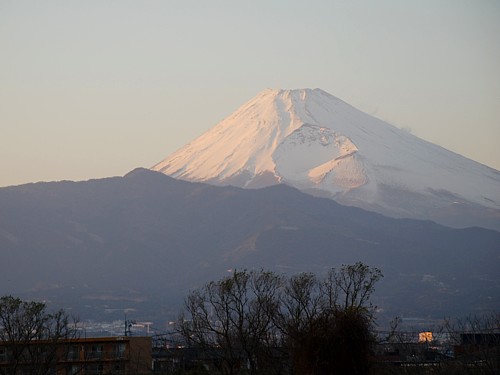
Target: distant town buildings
<point>161,354</point>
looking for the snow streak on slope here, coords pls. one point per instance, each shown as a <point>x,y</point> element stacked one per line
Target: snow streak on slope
<point>318,143</point>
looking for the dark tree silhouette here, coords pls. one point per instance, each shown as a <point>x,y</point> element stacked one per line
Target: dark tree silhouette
<point>329,328</point>
<point>233,319</point>
<point>30,336</point>
<point>261,322</point>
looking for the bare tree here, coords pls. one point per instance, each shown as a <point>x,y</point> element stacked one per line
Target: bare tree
<point>329,321</point>
<point>264,336</point>
<point>301,301</point>
<point>233,318</point>
<point>350,287</point>
<point>260,321</point>
<point>476,339</point>
<point>30,336</point>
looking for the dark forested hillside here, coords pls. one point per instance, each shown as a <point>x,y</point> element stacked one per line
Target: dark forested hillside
<point>143,240</point>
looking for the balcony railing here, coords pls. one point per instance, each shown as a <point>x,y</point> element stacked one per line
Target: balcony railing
<point>95,356</point>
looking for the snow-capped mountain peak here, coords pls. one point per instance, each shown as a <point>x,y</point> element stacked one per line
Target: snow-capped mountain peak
<point>314,141</point>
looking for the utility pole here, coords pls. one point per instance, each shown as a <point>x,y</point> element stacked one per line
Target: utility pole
<point>128,325</point>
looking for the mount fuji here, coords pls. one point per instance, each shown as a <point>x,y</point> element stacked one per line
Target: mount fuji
<point>321,145</point>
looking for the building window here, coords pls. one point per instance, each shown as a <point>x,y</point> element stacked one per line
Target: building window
<point>119,350</point>
<point>74,370</point>
<point>3,355</point>
<point>96,352</point>
<point>95,369</point>
<point>118,368</point>
<point>73,353</point>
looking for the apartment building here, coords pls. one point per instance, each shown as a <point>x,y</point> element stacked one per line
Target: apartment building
<point>82,356</point>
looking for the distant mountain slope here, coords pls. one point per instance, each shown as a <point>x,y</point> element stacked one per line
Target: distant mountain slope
<point>141,241</point>
<point>321,145</point>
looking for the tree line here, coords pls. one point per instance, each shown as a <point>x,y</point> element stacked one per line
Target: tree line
<point>264,322</point>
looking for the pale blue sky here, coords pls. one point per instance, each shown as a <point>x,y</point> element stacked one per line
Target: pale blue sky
<point>95,88</point>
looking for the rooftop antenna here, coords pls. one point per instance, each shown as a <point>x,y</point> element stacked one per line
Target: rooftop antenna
<point>128,326</point>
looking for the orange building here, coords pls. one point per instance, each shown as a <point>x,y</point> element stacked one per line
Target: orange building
<point>96,355</point>
<point>425,337</point>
